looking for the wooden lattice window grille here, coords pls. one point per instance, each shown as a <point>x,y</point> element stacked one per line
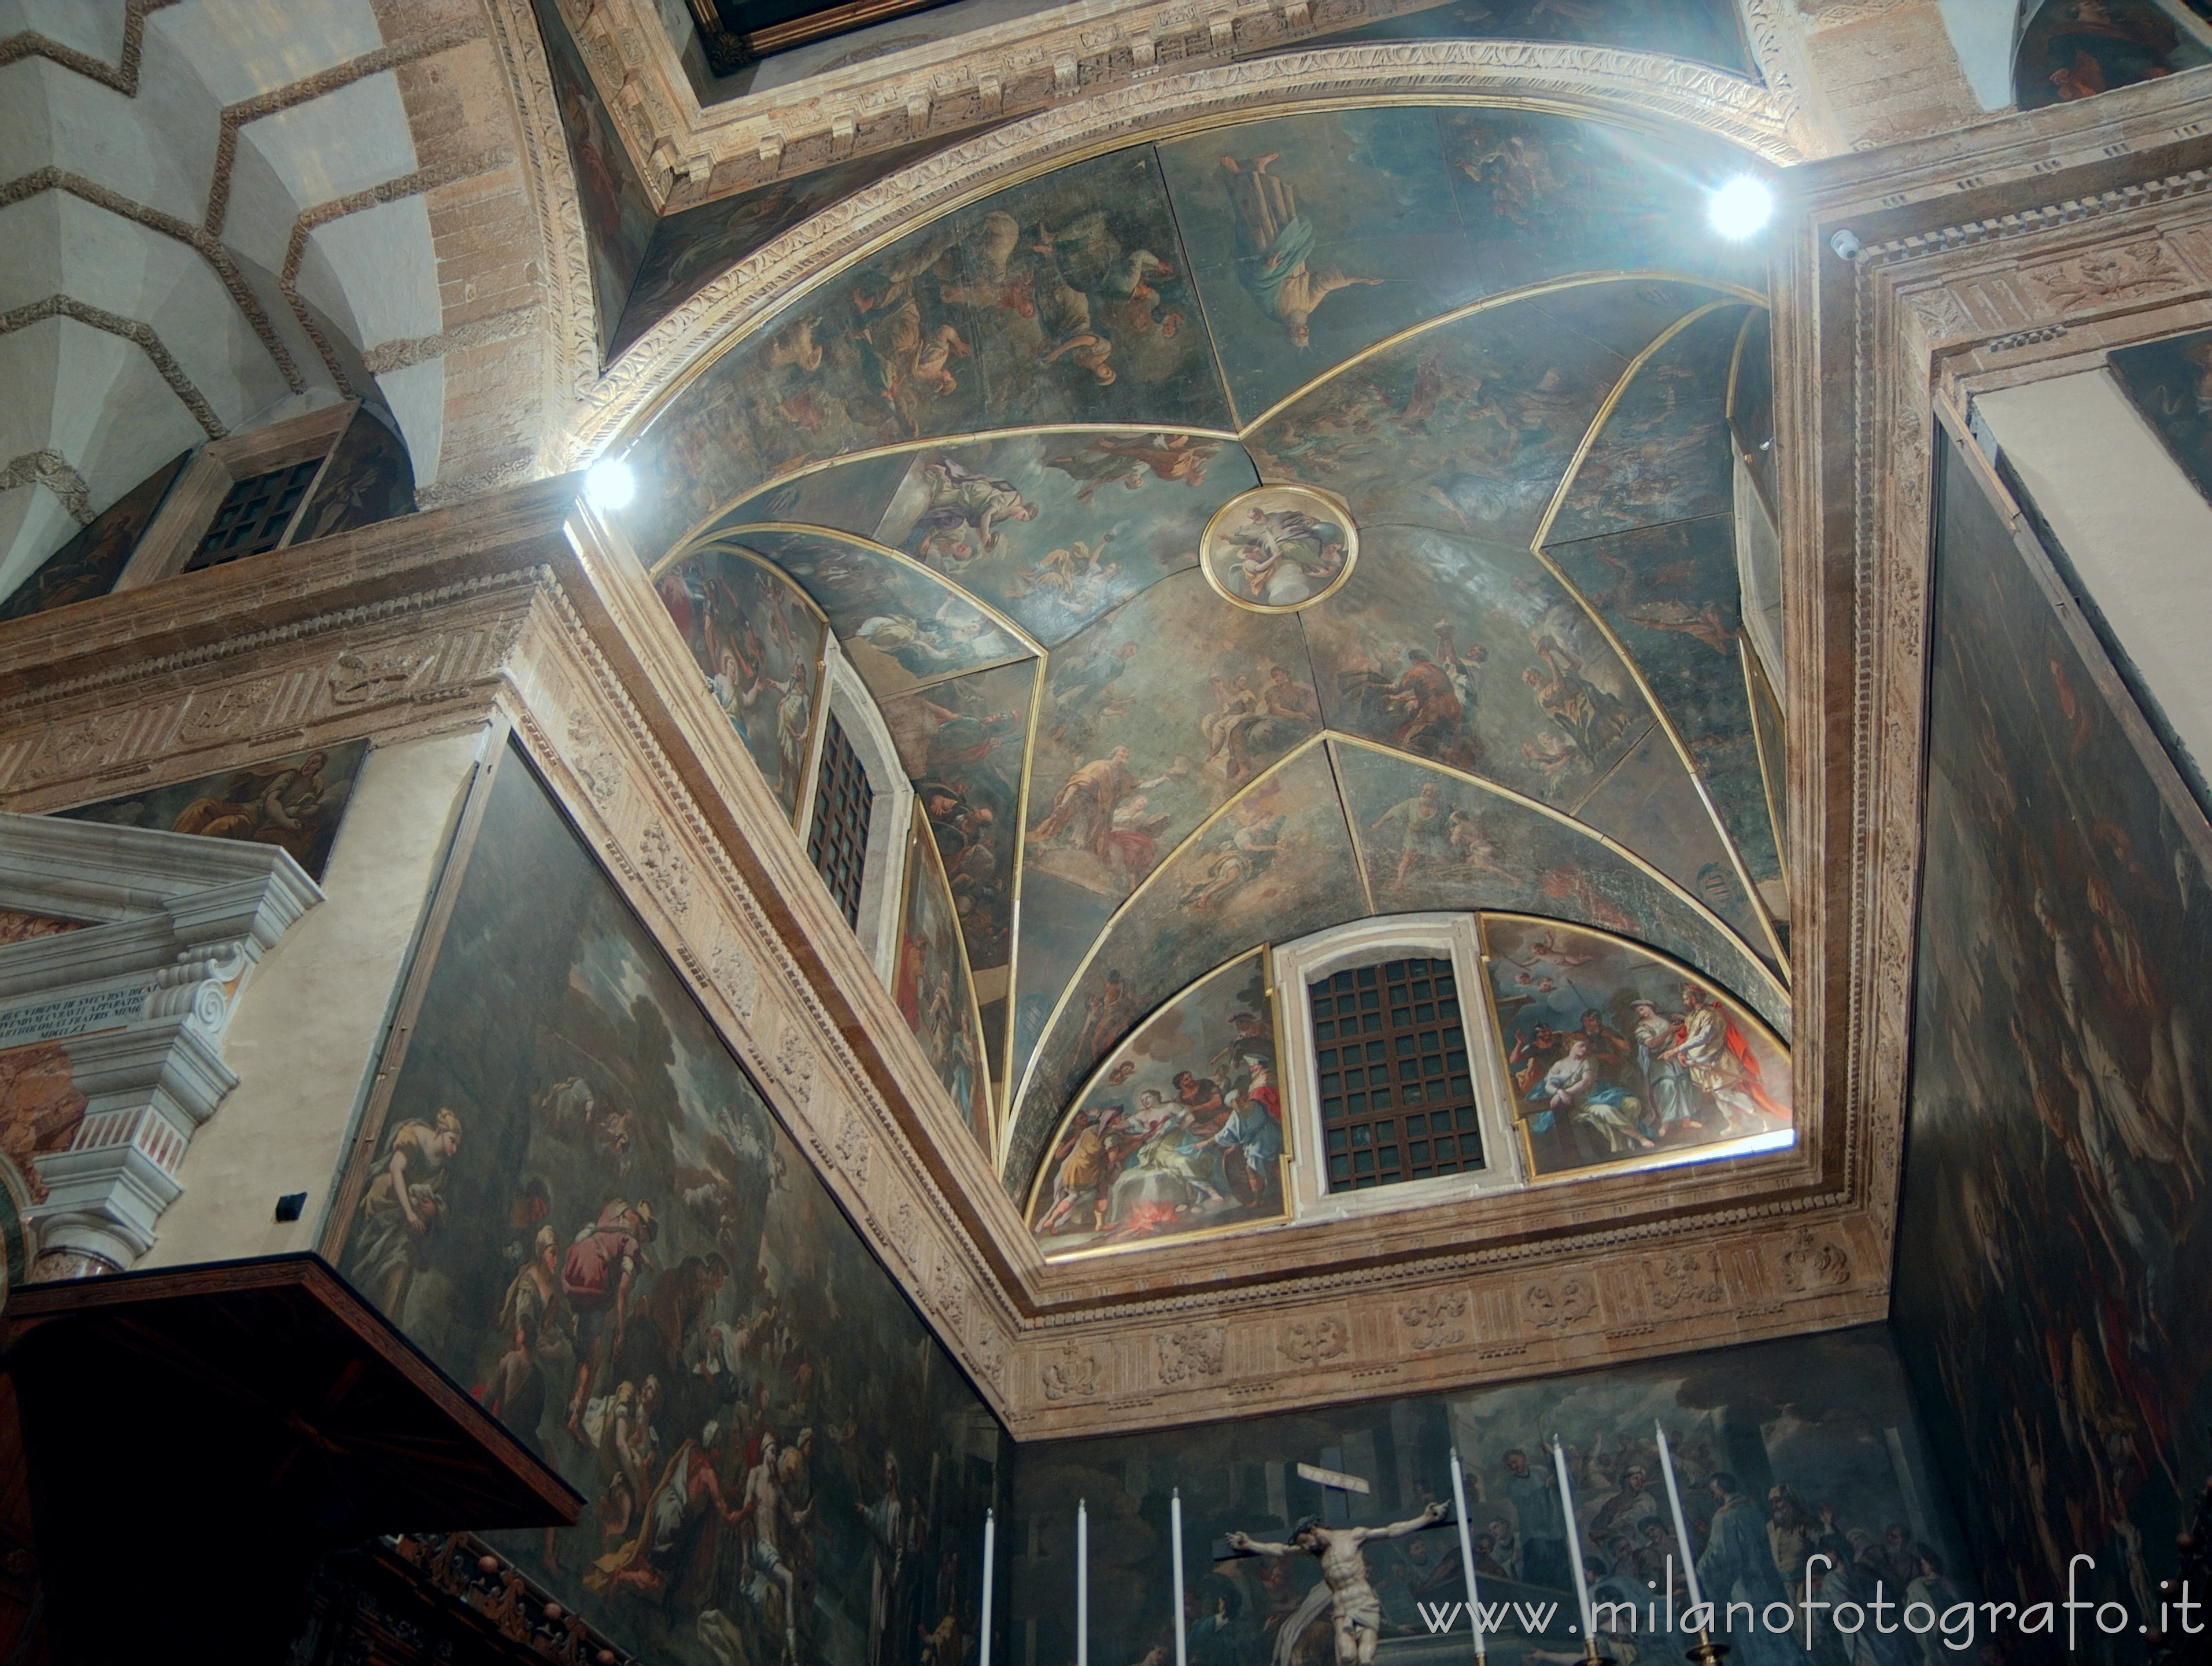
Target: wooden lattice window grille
<point>843,801</point>
<point>255,515</point>
<point>1397,1096</point>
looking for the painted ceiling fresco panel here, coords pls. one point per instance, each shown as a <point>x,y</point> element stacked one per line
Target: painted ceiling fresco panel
<point>1650,805</point>
<point>1431,841</point>
<point>1545,195</point>
<point>1469,427</point>
<point>2171,381</point>
<point>1670,594</point>
<point>900,624</point>
<point>1058,302</point>
<point>690,249</point>
<point>961,743</point>
<point>1055,529</point>
<point>1316,236</point>
<point>1047,961</point>
<point>1276,865</point>
<point>1140,1157</point>
<point>1150,720</point>
<point>1704,30</point>
<point>935,990</point>
<point>1617,1054</point>
<point>617,212</point>
<point>849,497</point>
<point>1664,452</point>
<point>1474,655</point>
<point>1626,314</point>
<point>761,645</point>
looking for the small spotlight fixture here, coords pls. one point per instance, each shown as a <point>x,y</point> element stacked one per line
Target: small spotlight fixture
<point>609,483</point>
<point>1741,208</point>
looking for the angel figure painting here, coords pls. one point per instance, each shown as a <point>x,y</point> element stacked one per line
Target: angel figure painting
<point>1279,549</point>
<point>1180,1131</point>
<point>295,802</point>
<point>1616,1052</point>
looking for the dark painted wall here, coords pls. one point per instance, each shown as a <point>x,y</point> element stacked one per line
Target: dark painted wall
<point>2051,1297</point>
<point>577,1086</point>
<point>1828,1420</point>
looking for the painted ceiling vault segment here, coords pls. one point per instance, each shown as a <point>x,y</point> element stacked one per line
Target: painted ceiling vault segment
<point>994,454</point>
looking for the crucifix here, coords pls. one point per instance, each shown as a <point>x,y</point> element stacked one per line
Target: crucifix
<point>1355,1610</point>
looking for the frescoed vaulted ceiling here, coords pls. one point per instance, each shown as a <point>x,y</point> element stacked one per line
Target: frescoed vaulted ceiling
<point>1503,339</point>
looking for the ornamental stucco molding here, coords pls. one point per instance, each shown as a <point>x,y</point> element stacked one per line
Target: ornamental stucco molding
<point>127,1015</point>
<point>1606,82</point>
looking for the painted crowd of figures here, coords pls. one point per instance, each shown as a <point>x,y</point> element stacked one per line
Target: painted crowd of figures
<point>1184,1129</point>
<point>582,1209</point>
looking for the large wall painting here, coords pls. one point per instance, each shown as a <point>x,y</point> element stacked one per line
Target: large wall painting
<point>1180,1132</point>
<point>2171,381</point>
<point>1785,1450</point>
<point>295,803</point>
<point>618,213</point>
<point>2051,1299</point>
<point>1617,1054</point>
<point>760,640</point>
<point>933,986</point>
<point>580,1206</point>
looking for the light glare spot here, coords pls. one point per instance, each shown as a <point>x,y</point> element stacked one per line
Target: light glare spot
<point>1741,208</point>
<point>609,483</point>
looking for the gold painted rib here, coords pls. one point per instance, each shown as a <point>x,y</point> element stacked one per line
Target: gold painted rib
<point>1492,303</point>
<point>1753,901</point>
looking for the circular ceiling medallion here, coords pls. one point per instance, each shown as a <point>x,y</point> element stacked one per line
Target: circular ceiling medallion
<point>1278,549</point>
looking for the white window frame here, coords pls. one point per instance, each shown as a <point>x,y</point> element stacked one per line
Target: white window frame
<point>1365,942</point>
<point>882,875</point>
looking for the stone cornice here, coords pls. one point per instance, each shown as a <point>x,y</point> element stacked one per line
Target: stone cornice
<point>1047,59</point>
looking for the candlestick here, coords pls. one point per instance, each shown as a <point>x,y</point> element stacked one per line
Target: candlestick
<point>1682,1522</point>
<point>990,1546</point>
<point>1707,1651</point>
<point>1465,1558</point>
<point>1082,1583</point>
<point>1575,1547</point>
<point>1175,1542</point>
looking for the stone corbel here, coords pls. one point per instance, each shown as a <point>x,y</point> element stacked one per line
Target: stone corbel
<point>131,1008</point>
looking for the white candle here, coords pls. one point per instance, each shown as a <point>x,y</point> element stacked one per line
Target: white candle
<point>1574,1539</point>
<point>1082,1585</point>
<point>1174,1538</point>
<point>1681,1525</point>
<point>1466,1555</point>
<point>990,1546</point>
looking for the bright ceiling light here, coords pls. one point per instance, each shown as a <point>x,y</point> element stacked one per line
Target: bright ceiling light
<point>609,483</point>
<point>1741,208</point>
